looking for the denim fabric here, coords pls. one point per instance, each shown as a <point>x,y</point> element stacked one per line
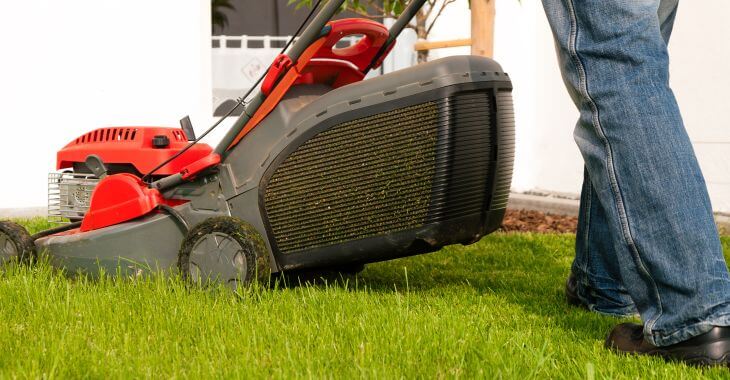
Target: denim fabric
<point>646,231</point>
<point>598,277</point>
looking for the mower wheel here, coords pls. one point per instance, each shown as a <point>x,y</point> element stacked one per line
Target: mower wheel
<point>15,244</point>
<point>224,249</point>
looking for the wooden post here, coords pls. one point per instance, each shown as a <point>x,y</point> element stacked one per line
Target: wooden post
<point>482,27</point>
<point>430,45</point>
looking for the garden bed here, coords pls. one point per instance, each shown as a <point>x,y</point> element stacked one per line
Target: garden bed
<point>535,221</point>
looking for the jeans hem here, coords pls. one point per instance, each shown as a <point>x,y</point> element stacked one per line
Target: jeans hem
<point>627,311</point>
<point>689,331</point>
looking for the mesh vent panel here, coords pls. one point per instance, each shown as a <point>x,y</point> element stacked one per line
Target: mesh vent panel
<point>362,178</point>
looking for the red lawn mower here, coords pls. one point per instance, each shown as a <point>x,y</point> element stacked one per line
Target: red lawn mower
<point>323,169</point>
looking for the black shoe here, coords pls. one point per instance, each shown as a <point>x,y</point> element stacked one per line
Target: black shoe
<point>709,349</point>
<point>571,292</point>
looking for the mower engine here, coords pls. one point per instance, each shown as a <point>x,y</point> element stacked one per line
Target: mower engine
<point>69,195</point>
<point>133,150</point>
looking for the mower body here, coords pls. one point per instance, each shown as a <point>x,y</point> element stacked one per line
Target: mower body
<point>401,164</point>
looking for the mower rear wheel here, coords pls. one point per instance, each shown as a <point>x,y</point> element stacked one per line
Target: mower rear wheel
<point>224,249</point>
<point>15,244</point>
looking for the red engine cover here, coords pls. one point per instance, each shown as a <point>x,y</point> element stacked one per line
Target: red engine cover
<point>119,198</point>
<point>133,145</point>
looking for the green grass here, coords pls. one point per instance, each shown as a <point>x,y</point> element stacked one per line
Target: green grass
<point>493,309</point>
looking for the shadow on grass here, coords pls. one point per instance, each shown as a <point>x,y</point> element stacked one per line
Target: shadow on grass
<point>526,270</point>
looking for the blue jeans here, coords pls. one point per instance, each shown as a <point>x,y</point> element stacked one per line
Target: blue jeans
<point>646,239</point>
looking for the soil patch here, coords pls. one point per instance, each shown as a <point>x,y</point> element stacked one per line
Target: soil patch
<point>536,221</point>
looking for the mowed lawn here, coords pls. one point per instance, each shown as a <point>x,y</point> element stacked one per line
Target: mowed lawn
<point>492,309</point>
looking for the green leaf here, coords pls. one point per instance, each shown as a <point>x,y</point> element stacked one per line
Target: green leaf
<point>398,7</point>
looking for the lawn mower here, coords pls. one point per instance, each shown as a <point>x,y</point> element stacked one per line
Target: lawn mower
<point>322,169</point>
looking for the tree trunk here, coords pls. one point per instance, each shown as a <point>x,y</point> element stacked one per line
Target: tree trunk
<point>422,34</point>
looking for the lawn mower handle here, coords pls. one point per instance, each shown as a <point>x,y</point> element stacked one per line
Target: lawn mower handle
<point>311,34</point>
<point>395,30</point>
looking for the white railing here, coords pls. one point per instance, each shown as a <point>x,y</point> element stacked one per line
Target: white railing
<point>221,42</point>
<point>265,42</point>
<point>237,61</point>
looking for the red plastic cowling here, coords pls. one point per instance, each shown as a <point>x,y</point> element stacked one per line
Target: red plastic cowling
<point>132,145</point>
<point>362,52</point>
<point>281,64</point>
<point>119,198</point>
<point>332,72</point>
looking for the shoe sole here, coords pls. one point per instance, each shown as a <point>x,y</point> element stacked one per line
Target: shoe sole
<point>716,355</point>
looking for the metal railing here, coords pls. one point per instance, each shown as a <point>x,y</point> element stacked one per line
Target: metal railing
<point>265,42</point>
<point>238,60</point>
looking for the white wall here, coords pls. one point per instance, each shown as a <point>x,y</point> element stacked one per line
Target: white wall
<point>699,56</point>
<point>516,48</point>
<point>700,70</point>
<point>547,158</point>
<point>74,65</point>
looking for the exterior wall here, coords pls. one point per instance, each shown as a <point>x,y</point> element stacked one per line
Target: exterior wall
<point>547,158</point>
<point>88,64</point>
<point>700,78</point>
<point>515,50</point>
<point>699,54</point>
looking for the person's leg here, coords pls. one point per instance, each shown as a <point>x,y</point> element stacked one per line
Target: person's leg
<point>597,279</point>
<point>641,163</point>
<point>595,274</point>
<point>595,268</point>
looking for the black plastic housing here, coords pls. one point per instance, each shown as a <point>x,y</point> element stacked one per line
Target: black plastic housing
<point>470,176</point>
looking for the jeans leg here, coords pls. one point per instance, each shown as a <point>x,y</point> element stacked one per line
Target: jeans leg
<point>595,267</point>
<point>642,166</point>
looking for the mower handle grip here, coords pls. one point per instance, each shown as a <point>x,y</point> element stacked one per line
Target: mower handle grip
<point>375,34</point>
<point>359,53</point>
